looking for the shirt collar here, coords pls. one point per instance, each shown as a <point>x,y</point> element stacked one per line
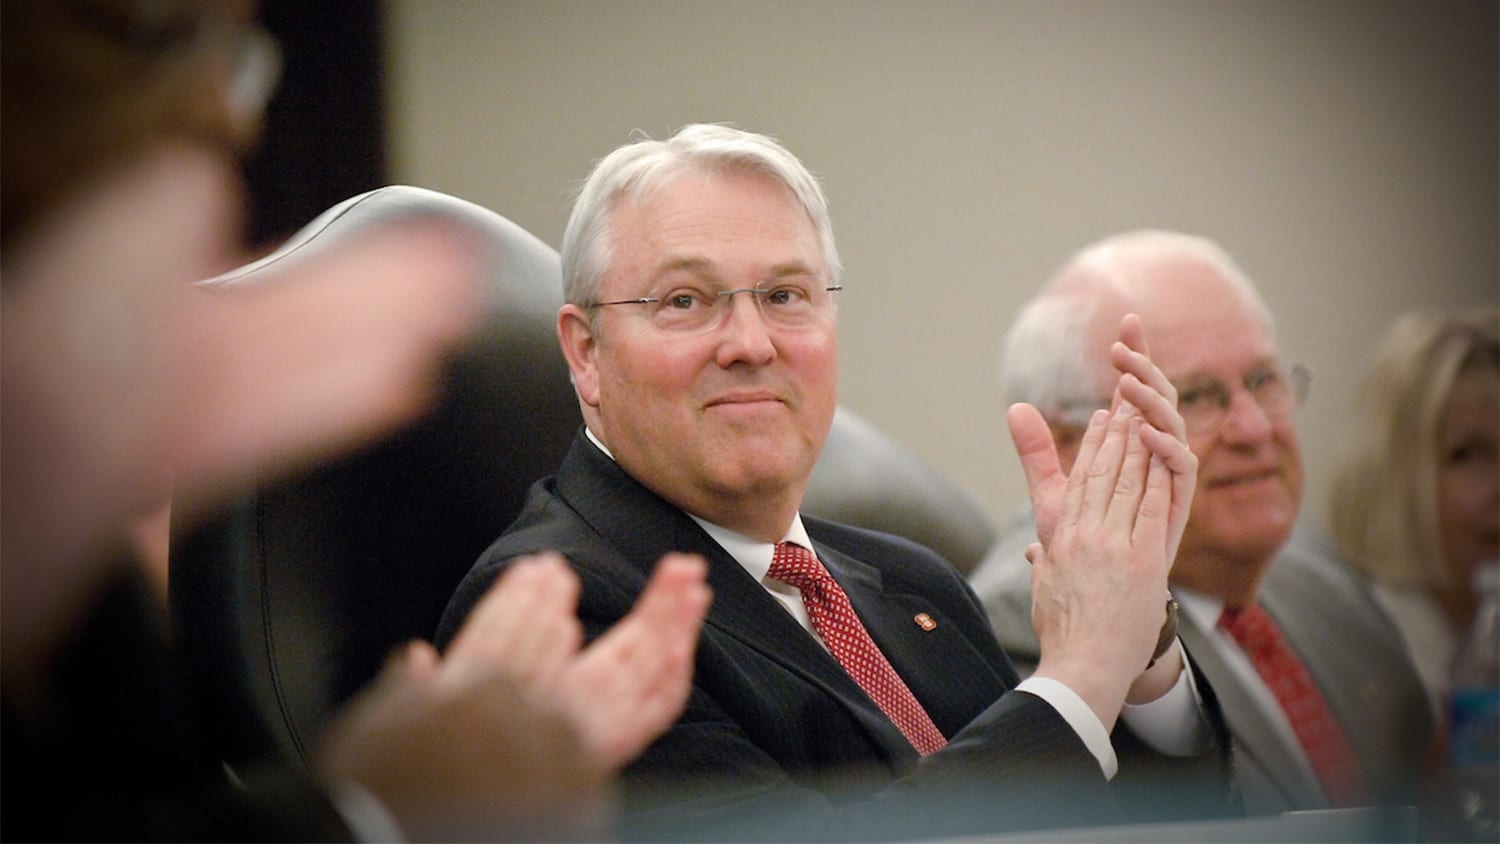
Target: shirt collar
<point>752,554</point>
<point>1203,609</point>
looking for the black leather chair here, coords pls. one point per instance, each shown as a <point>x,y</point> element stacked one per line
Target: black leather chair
<point>287,602</point>
<point>864,478</point>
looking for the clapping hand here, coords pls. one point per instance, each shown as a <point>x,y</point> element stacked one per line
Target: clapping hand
<point>518,729</point>
<point>1109,531</point>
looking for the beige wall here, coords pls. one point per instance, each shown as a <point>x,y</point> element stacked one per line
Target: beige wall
<point>1345,152</point>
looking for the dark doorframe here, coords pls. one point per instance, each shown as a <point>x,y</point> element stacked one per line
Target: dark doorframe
<point>324,135</point>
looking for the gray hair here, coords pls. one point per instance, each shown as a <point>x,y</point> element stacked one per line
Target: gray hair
<point>1052,357</point>
<point>635,169</point>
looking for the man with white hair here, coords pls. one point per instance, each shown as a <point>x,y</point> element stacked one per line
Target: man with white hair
<point>1336,719</point>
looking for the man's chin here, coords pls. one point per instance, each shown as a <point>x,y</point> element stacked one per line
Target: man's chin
<point>757,473</point>
<point>1248,533</point>
<point>1259,540</point>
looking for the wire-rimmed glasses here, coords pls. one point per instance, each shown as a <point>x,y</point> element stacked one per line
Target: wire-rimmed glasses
<point>693,309</point>
<point>1276,390</point>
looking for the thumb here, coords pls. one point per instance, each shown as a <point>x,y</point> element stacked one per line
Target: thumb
<point>1033,441</point>
<point>413,660</point>
<point>1045,480</point>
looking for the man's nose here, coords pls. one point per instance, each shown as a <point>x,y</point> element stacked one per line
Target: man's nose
<point>745,332</point>
<point>1244,419</point>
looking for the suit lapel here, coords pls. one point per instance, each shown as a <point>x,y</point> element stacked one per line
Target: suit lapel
<point>895,620</point>
<point>1259,745</point>
<point>743,611</point>
<point>1357,659</point>
<point>645,527</point>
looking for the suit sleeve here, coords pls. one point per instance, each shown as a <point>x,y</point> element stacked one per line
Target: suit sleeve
<point>1019,766</point>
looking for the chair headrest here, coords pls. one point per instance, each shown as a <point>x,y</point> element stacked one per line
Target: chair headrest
<point>524,271</point>
<point>864,478</point>
<point>288,602</point>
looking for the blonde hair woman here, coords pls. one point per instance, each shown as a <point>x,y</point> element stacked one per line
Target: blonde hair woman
<point>1415,498</point>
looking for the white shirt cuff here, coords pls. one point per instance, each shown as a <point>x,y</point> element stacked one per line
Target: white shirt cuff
<point>368,818</point>
<point>1079,716</point>
<point>1173,724</point>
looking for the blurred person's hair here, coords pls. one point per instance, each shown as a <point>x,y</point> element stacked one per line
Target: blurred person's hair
<point>1383,487</point>
<point>87,86</point>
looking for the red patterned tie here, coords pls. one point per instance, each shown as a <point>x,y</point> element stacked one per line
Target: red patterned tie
<point>851,645</point>
<point>1325,743</point>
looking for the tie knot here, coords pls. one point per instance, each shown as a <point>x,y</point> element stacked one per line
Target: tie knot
<point>1251,627</point>
<point>796,566</point>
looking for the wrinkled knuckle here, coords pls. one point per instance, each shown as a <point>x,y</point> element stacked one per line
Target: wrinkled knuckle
<point>1150,509</point>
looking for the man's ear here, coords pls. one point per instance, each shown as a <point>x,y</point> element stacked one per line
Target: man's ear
<point>580,346</point>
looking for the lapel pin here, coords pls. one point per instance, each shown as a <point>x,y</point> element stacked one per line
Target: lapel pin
<point>925,621</point>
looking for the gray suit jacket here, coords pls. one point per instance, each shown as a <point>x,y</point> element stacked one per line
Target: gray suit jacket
<point>1326,610</point>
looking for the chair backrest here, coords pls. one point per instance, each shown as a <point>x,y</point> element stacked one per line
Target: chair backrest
<point>863,477</point>
<point>288,602</point>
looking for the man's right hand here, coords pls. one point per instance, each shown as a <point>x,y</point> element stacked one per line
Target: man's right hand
<point>516,732</point>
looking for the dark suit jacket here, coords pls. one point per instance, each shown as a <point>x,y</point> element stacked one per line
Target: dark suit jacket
<point>777,741</point>
<point>116,753</point>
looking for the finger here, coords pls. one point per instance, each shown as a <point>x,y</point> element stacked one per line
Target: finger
<point>672,604</point>
<point>630,685</point>
<point>1145,385</point>
<point>349,346</point>
<point>1183,465</point>
<point>1118,401</point>
<point>1045,482</point>
<point>1130,485</point>
<point>1172,450</point>
<point>1133,333</point>
<point>1081,479</point>
<point>524,625</point>
<point>1132,339</point>
<point>1132,356</point>
<point>530,587</point>
<point>1137,363</point>
<point>1152,522</point>
<point>1033,442</point>
<point>409,660</point>
<point>1156,407</point>
<point>1102,474</point>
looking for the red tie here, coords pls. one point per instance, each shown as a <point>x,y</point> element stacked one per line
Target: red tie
<point>1325,743</point>
<point>849,642</point>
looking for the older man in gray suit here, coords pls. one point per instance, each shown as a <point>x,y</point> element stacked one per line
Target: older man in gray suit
<point>1236,576</point>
